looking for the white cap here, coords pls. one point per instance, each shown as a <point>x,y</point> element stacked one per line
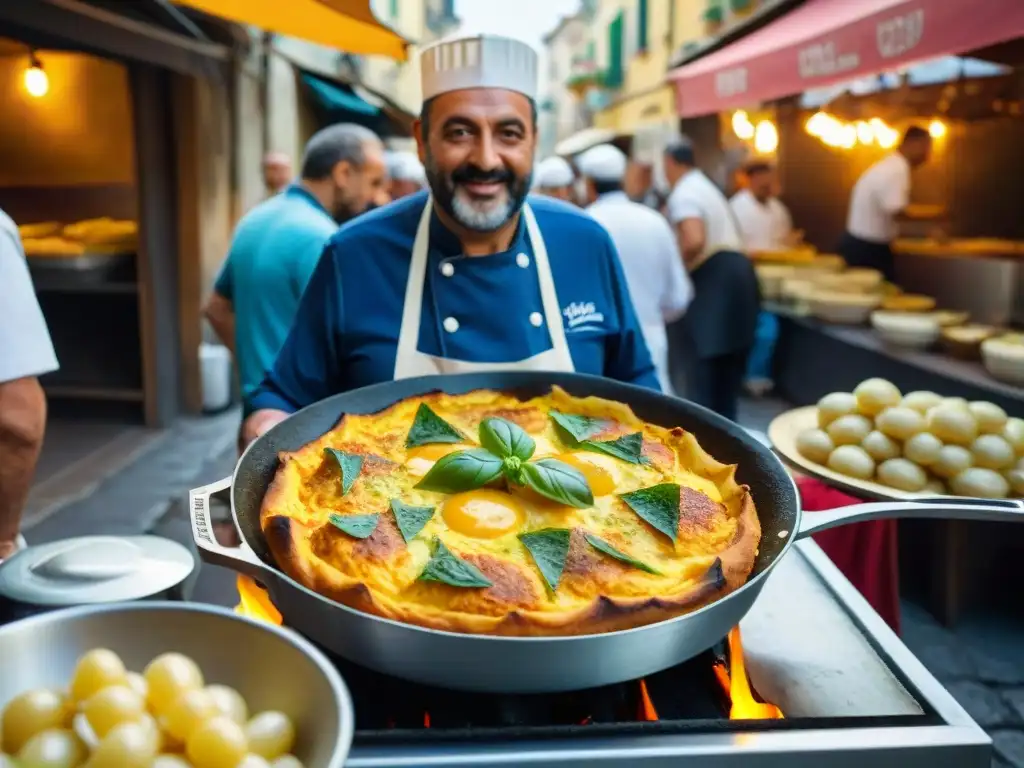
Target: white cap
<point>480,61</point>
<point>553,172</point>
<point>603,163</point>
<point>405,166</point>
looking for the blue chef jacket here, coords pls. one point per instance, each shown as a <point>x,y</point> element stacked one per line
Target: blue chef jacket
<point>345,335</point>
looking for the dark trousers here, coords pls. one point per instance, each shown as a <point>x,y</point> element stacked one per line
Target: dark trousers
<point>863,253</point>
<point>716,382</point>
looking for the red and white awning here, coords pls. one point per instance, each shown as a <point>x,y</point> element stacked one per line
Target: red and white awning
<point>824,42</point>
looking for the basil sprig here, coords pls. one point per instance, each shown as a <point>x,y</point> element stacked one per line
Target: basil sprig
<point>506,452</point>
<point>605,548</point>
<point>548,547</point>
<point>410,520</point>
<point>578,431</point>
<point>350,464</point>
<point>658,506</point>
<point>446,567</point>
<point>428,428</point>
<point>356,526</point>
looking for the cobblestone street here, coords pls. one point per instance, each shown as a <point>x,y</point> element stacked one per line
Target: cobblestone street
<point>981,661</point>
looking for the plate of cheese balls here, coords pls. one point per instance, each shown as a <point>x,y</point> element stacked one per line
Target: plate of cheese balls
<point>880,443</point>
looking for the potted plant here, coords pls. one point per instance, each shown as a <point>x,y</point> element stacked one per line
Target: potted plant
<point>741,8</point>
<point>713,17</point>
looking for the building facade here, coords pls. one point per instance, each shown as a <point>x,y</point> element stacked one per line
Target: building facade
<point>562,110</point>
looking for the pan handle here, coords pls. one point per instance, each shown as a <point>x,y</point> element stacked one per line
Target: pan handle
<point>943,507</point>
<point>241,559</point>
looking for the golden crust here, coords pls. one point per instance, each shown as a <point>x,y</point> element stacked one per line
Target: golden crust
<point>713,555</point>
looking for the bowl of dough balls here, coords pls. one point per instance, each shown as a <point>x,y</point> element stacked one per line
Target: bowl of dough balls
<point>166,685</point>
<point>881,443</point>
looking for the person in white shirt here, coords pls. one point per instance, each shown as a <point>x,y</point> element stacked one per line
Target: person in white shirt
<point>658,284</point>
<point>719,324</point>
<point>763,219</point>
<point>880,199</point>
<point>766,225</point>
<point>554,177</point>
<point>26,352</point>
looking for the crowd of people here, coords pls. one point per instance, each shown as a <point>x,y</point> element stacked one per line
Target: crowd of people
<point>444,262</point>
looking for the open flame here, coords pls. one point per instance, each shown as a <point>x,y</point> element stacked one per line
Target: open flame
<point>254,603</point>
<point>736,685</point>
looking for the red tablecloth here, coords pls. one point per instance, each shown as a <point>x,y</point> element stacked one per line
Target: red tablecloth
<point>866,553</point>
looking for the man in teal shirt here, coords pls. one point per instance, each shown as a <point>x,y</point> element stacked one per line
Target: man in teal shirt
<point>278,243</point>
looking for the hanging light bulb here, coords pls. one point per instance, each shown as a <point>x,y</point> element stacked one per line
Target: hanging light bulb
<point>848,137</point>
<point>742,126</point>
<point>817,124</point>
<point>888,137</point>
<point>937,129</point>
<point>37,83</point>
<point>766,137</point>
<point>865,133</point>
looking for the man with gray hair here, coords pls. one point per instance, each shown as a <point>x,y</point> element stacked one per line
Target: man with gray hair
<point>278,243</point>
<point>406,174</point>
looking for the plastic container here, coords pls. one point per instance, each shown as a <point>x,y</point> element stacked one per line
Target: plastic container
<point>215,370</point>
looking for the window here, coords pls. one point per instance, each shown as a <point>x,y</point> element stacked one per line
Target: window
<point>641,25</point>
<point>614,75</point>
<point>394,9</point>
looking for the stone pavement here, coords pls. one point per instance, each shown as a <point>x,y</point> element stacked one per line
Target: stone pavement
<point>981,661</point>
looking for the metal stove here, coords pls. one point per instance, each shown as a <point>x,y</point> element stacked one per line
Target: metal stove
<point>852,694</point>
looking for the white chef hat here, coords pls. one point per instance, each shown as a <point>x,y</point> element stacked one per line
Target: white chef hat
<point>480,61</point>
<point>553,172</point>
<point>603,163</point>
<point>405,166</point>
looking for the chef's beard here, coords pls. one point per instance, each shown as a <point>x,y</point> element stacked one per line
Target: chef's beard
<point>476,214</point>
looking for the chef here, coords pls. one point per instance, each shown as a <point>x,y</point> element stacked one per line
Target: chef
<point>880,199</point>
<point>658,284</point>
<point>468,276</point>
<point>718,328</point>
<point>554,178</point>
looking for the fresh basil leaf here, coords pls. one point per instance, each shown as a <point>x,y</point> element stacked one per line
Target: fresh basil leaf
<point>605,548</point>
<point>446,568</point>
<point>461,471</point>
<point>506,439</point>
<point>628,447</point>
<point>657,505</point>
<point>559,482</point>
<point>428,428</point>
<point>579,428</point>
<point>350,464</point>
<point>356,526</point>
<point>548,547</point>
<point>410,519</point>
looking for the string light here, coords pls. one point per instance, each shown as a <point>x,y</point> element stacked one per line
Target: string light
<point>865,133</point>
<point>37,83</point>
<point>766,137</point>
<point>742,126</point>
<point>937,129</point>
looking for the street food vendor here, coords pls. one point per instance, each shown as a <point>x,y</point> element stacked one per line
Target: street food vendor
<point>470,276</point>
<point>880,200</point>
<point>554,178</point>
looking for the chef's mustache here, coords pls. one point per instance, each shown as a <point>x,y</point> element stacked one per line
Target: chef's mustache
<point>471,174</point>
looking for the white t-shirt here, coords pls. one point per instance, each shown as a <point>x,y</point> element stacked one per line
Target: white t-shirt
<point>764,226</point>
<point>658,284</point>
<point>25,345</point>
<point>881,192</point>
<point>695,196</point>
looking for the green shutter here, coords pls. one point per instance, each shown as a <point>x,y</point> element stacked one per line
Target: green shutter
<point>641,23</point>
<point>614,75</point>
<point>394,9</point>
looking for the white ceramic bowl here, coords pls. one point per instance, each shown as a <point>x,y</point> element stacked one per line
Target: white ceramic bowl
<point>844,308</point>
<point>771,276</point>
<point>905,329</point>
<point>1003,357</point>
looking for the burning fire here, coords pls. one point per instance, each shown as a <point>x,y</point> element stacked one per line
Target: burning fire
<point>254,603</point>
<point>736,685</point>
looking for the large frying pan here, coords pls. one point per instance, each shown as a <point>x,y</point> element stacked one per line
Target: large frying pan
<point>517,664</point>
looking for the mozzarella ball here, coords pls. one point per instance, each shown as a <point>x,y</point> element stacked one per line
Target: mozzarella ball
<point>814,444</point>
<point>1015,477</point>
<point>984,483</point>
<point>951,461</point>
<point>922,448</point>
<point>921,401</point>
<point>952,424</point>
<point>900,423</point>
<point>852,460</point>
<point>880,447</point>
<point>875,395</point>
<point>834,405</point>
<point>956,402</point>
<point>1013,433</point>
<point>935,487</point>
<point>992,452</point>
<point>902,474</point>
<point>849,429</point>
<point>990,417</point>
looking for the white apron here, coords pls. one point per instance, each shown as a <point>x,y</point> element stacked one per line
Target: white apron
<point>411,362</point>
